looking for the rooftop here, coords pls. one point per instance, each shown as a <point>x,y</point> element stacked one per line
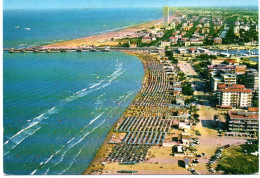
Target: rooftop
<point>235,86</point>
<point>147,37</point>
<point>253,109</point>
<point>227,60</point>
<point>242,115</point>
<point>236,90</point>
<point>221,66</point>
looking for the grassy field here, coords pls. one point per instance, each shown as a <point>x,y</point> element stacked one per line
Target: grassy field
<point>238,160</point>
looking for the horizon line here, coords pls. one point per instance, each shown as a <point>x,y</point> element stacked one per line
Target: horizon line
<point>246,6</point>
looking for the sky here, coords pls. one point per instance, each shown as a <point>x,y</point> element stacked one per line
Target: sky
<point>54,4</point>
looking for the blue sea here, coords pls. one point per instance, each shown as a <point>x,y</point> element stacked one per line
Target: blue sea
<point>59,107</point>
<point>25,28</point>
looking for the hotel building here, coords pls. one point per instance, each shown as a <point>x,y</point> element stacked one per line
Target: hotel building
<point>166,16</point>
<point>252,79</point>
<point>226,78</point>
<point>235,96</point>
<point>243,121</point>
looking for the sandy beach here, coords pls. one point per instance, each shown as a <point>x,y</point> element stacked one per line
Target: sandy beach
<point>160,159</point>
<point>107,38</point>
<point>104,39</point>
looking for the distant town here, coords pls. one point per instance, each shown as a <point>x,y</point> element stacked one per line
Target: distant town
<point>200,27</point>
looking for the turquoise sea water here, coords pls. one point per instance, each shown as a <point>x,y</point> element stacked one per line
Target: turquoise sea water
<point>59,107</point>
<point>25,28</point>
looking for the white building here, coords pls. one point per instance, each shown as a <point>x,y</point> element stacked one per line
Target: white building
<point>236,29</point>
<point>166,15</point>
<point>229,79</point>
<point>173,24</point>
<point>235,96</point>
<point>183,126</point>
<point>214,82</point>
<point>252,79</point>
<point>165,43</point>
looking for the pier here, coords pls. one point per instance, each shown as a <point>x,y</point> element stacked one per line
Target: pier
<point>108,48</point>
<point>62,50</point>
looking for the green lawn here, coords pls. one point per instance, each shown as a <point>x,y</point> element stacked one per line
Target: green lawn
<point>234,160</point>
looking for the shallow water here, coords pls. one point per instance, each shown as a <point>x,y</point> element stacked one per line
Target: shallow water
<point>59,107</point>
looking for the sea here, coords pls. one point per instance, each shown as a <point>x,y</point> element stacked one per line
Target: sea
<point>59,107</point>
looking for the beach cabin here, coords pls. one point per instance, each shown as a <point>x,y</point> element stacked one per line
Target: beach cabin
<point>178,150</point>
<point>186,163</point>
<point>184,139</point>
<point>183,126</point>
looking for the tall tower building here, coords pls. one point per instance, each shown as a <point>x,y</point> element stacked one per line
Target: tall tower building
<point>165,15</point>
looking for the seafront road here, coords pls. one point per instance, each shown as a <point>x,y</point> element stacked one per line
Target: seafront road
<point>209,139</point>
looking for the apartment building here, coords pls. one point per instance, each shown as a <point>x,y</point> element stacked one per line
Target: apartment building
<point>217,40</point>
<point>221,61</point>
<point>229,79</point>
<point>226,78</point>
<point>235,95</point>
<point>252,79</point>
<point>147,39</point>
<point>243,121</point>
<point>241,69</point>
<point>221,67</point>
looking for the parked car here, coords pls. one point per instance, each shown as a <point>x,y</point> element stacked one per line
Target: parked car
<point>191,169</point>
<point>195,161</point>
<point>198,155</point>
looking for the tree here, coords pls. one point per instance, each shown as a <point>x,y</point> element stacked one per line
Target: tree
<point>181,76</point>
<point>169,53</point>
<point>186,89</point>
<point>125,45</point>
<point>255,100</point>
<point>241,79</point>
<point>196,116</point>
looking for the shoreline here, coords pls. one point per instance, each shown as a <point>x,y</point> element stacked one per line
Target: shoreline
<point>101,153</point>
<point>105,39</point>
